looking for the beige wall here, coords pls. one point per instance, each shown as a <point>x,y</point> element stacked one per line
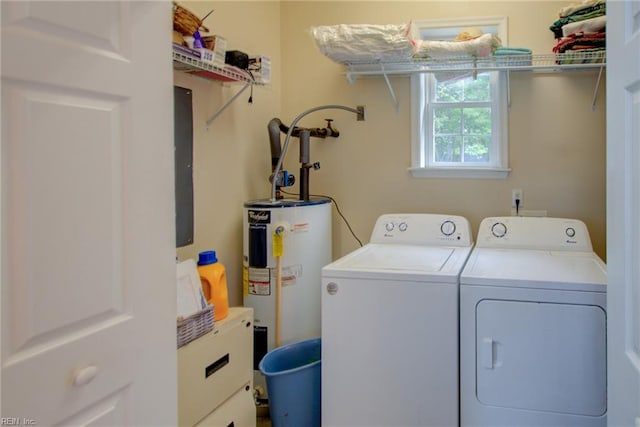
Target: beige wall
<point>231,159</point>
<point>557,142</point>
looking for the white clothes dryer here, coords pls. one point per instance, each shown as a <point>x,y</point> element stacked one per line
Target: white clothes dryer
<point>390,325</point>
<point>533,326</point>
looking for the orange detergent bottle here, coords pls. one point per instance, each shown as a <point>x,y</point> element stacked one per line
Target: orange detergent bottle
<point>214,283</point>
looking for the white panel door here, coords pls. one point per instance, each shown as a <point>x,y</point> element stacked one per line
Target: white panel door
<point>88,250</point>
<point>623,212</point>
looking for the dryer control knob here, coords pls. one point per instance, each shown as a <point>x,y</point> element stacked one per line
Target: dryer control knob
<point>571,232</point>
<point>389,226</point>
<point>448,228</point>
<point>499,229</point>
<point>402,226</point>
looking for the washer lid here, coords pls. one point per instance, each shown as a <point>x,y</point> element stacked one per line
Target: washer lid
<point>412,262</point>
<point>535,269</point>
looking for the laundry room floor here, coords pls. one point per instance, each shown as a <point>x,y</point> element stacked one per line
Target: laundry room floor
<point>263,421</point>
<point>262,416</point>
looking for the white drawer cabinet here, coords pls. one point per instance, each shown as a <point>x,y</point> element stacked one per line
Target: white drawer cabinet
<point>215,374</point>
<point>233,412</point>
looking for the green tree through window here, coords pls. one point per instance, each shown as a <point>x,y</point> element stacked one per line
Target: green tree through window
<point>459,117</point>
<point>462,134</point>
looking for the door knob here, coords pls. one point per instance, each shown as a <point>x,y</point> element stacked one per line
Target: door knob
<point>85,375</point>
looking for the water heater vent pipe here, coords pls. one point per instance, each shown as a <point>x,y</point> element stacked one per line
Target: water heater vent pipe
<point>359,111</point>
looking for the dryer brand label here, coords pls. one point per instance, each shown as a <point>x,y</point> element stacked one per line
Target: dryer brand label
<point>259,217</point>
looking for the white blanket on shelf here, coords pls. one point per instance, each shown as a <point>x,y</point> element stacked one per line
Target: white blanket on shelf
<point>478,47</point>
<point>362,42</point>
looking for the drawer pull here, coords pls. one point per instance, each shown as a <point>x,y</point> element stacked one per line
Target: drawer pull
<point>216,366</point>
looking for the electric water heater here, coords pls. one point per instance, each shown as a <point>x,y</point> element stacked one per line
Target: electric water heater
<point>305,249</point>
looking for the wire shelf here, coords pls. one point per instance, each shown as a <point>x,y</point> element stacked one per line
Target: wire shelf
<point>574,60</point>
<point>226,73</point>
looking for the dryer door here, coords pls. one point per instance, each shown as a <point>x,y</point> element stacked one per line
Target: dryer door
<point>546,357</point>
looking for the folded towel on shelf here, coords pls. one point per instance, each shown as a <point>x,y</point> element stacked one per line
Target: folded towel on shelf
<point>582,56</point>
<point>578,6</point>
<point>580,41</point>
<point>513,56</point>
<point>506,50</point>
<point>591,25</point>
<point>586,13</point>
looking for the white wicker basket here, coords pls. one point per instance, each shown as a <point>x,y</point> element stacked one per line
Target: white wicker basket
<point>195,325</point>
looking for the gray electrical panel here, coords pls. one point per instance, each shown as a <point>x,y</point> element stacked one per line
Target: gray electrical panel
<point>183,142</point>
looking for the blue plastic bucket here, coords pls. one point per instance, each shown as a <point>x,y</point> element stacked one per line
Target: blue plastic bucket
<point>293,383</point>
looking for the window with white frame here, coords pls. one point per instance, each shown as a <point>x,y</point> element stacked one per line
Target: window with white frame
<point>459,119</point>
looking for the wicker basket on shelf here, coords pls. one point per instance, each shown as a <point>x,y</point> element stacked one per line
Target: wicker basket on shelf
<point>185,22</point>
<point>195,325</point>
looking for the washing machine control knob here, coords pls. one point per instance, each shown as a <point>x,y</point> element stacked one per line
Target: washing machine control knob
<point>499,229</point>
<point>402,226</point>
<point>389,226</point>
<point>571,232</point>
<point>448,228</point>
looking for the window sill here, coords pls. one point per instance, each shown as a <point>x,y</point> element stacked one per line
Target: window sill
<point>475,173</point>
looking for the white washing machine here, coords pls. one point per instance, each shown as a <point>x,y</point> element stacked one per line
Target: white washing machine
<point>390,325</point>
<point>533,326</point>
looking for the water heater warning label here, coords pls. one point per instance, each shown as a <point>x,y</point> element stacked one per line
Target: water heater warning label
<point>259,281</point>
<point>290,274</point>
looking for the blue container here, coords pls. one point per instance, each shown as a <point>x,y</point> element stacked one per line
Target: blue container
<point>293,383</point>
